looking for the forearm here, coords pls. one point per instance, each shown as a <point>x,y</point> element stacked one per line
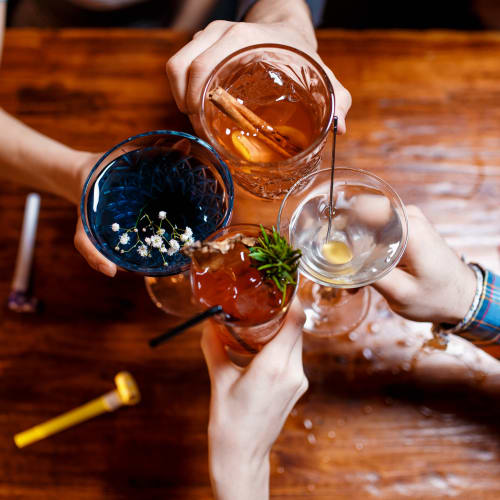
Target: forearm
<point>241,481</point>
<point>236,474</point>
<point>295,13</point>
<point>34,160</point>
<point>191,15</point>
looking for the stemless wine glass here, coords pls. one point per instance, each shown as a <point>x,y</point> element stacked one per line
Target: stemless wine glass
<point>368,237</point>
<point>177,181</point>
<point>289,90</point>
<point>254,309</point>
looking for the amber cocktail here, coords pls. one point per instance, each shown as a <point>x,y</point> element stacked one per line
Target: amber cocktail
<point>234,270</point>
<point>267,110</point>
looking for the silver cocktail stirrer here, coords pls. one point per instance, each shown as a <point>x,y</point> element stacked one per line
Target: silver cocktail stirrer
<point>331,208</point>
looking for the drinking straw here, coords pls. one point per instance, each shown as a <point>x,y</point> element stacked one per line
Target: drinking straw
<point>331,209</point>
<point>184,326</point>
<point>126,393</point>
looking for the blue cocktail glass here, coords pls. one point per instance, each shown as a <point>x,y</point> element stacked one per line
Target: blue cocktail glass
<point>156,171</point>
<point>152,172</point>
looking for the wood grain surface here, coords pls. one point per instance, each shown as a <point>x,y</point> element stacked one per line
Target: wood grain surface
<point>374,424</point>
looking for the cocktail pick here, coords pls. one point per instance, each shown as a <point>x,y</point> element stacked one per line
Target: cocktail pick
<point>184,326</point>
<point>331,208</point>
<point>126,393</point>
<point>20,299</point>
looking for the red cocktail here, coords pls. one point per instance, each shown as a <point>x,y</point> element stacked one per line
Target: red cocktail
<point>252,273</point>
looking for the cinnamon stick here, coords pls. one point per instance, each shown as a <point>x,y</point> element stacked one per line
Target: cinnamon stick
<point>252,123</point>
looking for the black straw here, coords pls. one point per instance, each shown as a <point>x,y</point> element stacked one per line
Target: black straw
<point>184,326</point>
<point>332,177</point>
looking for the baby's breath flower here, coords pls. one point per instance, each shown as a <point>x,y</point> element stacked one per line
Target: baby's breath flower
<point>142,250</point>
<point>187,234</point>
<point>156,241</point>
<point>155,237</point>
<point>124,238</point>
<point>174,245</point>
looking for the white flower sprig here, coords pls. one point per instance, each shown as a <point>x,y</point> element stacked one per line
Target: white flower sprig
<point>155,238</point>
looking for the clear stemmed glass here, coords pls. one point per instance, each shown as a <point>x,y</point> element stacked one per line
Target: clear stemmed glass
<point>160,171</point>
<point>368,237</point>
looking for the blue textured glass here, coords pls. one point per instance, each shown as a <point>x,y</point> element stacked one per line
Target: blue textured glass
<point>157,171</point>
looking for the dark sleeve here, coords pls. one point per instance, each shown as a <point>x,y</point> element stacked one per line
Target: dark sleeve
<point>316,6</point>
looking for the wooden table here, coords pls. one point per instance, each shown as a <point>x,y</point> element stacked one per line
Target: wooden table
<point>426,117</point>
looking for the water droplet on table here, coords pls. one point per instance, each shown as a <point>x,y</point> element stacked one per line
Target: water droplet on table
<point>367,353</point>
<point>311,438</point>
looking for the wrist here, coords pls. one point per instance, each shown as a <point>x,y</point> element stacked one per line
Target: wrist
<point>289,13</point>
<point>239,468</point>
<point>236,475</point>
<point>69,173</point>
<point>81,163</point>
<point>461,310</point>
<point>467,284</point>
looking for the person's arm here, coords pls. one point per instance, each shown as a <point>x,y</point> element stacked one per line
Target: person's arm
<point>191,15</point>
<point>294,13</point>
<point>32,159</point>
<point>286,22</point>
<point>36,161</point>
<point>316,8</point>
<point>433,284</point>
<point>248,408</point>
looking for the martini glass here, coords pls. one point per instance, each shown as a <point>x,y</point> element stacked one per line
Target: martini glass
<point>368,237</point>
<point>162,180</point>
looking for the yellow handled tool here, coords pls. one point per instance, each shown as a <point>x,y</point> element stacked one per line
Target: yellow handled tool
<point>126,393</point>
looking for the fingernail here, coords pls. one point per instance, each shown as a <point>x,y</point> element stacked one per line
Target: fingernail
<point>107,269</point>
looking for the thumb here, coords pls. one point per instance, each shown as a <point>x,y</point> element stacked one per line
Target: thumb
<point>218,363</point>
<point>283,344</point>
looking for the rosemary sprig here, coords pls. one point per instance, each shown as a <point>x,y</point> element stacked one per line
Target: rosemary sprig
<point>276,259</point>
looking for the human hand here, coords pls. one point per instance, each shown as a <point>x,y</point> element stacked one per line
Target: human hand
<point>249,406</point>
<point>190,67</point>
<point>82,243</point>
<point>431,282</point>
